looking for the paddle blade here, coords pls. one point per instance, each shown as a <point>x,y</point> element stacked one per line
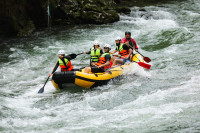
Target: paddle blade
<point>147,59</point>
<point>41,90</point>
<point>142,64</point>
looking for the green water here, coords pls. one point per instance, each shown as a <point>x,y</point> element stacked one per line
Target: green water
<point>163,99</point>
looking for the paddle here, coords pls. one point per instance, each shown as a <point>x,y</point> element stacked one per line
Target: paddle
<point>73,56</point>
<point>142,64</point>
<point>147,59</point>
<point>42,89</point>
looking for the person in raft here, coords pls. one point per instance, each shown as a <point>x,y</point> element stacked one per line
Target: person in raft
<point>95,52</point>
<point>129,41</point>
<point>103,63</point>
<point>125,52</point>
<point>63,61</point>
<point>115,54</point>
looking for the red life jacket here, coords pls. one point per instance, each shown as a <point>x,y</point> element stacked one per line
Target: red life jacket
<point>68,66</point>
<point>102,60</point>
<point>122,51</point>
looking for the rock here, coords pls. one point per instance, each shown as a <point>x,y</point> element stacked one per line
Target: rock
<point>88,12</point>
<point>22,17</point>
<point>93,17</point>
<point>124,10</point>
<point>27,30</point>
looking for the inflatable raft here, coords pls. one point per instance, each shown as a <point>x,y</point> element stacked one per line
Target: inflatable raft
<point>61,80</point>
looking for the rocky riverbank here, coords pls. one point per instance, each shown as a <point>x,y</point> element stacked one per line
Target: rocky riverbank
<point>22,17</point>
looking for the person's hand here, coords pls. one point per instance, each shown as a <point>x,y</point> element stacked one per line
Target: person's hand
<point>127,43</point>
<point>99,66</point>
<point>92,64</point>
<point>122,57</point>
<point>50,75</point>
<point>136,50</point>
<point>99,48</point>
<point>84,52</point>
<point>126,57</point>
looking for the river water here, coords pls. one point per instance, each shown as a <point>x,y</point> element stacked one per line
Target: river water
<point>163,99</point>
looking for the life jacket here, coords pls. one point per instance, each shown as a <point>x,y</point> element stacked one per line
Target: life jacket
<point>95,54</point>
<point>67,66</point>
<point>131,42</point>
<point>102,60</point>
<point>122,51</point>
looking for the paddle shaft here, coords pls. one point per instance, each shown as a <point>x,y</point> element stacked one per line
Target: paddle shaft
<point>140,53</point>
<point>47,79</point>
<point>79,54</point>
<point>46,82</point>
<point>147,59</point>
<point>42,89</point>
<point>73,56</point>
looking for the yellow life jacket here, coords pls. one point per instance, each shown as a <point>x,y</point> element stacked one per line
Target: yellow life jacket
<point>95,54</point>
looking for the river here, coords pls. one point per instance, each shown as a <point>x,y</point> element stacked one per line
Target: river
<point>165,98</point>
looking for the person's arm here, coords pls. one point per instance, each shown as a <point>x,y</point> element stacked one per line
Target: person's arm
<point>101,51</point>
<point>113,52</point>
<point>129,49</point>
<point>130,52</point>
<point>67,57</point>
<point>106,64</point>
<point>136,47</point>
<point>86,52</point>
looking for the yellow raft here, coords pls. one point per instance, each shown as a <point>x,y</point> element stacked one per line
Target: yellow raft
<point>89,80</point>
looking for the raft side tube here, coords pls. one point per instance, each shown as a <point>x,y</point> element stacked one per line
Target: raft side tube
<point>64,77</point>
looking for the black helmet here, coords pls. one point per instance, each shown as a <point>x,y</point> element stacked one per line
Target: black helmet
<point>127,32</point>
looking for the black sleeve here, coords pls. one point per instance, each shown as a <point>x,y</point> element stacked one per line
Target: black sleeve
<point>67,57</point>
<point>88,52</point>
<point>56,66</point>
<point>101,51</point>
<point>107,57</point>
<point>125,47</point>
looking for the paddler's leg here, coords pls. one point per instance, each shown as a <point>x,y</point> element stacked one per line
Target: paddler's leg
<point>87,69</point>
<point>113,58</point>
<point>120,61</point>
<point>131,57</point>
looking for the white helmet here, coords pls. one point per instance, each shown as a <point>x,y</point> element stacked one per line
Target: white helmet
<point>108,46</point>
<point>61,52</point>
<point>96,42</point>
<point>118,38</point>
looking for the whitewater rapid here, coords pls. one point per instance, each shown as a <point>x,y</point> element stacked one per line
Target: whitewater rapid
<point>163,99</point>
